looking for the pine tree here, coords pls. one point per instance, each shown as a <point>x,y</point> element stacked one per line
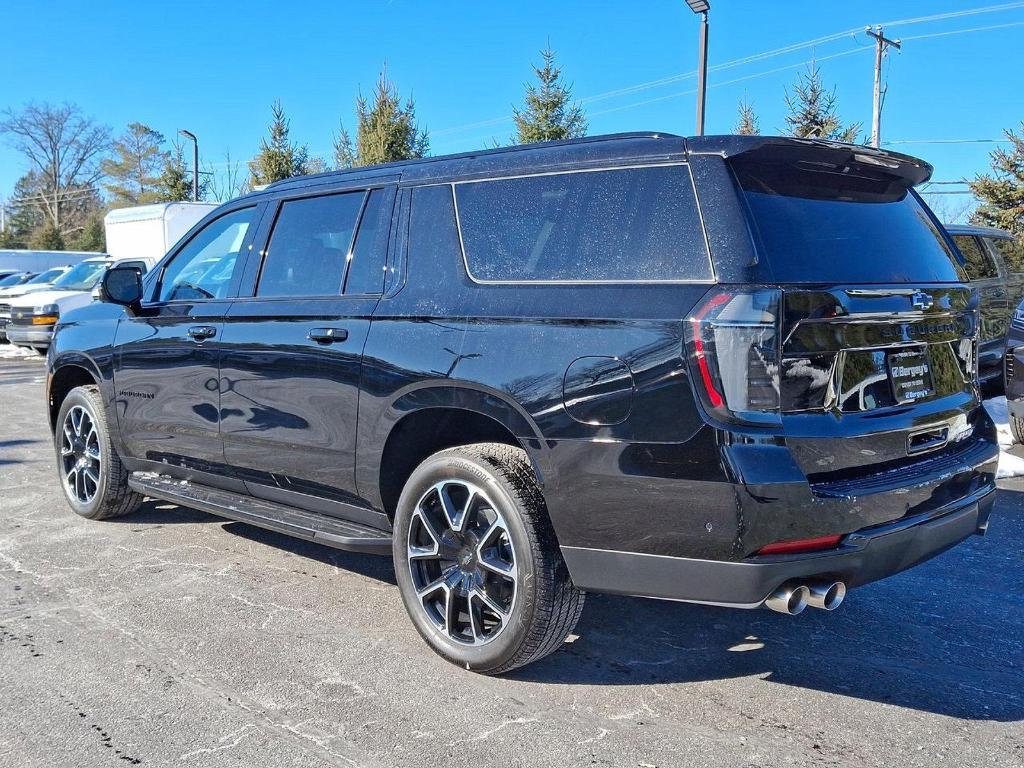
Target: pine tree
<point>344,153</point>
<point>387,131</point>
<point>134,168</point>
<point>1002,191</point>
<point>93,236</point>
<point>548,114</point>
<point>812,110</point>
<point>47,238</point>
<point>747,124</point>
<point>279,158</point>
<point>175,181</point>
<point>25,212</point>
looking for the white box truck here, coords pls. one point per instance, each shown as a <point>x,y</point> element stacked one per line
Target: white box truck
<point>148,231</point>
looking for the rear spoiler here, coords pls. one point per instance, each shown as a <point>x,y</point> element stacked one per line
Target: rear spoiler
<point>911,171</point>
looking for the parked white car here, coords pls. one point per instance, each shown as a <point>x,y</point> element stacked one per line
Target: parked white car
<point>34,315</point>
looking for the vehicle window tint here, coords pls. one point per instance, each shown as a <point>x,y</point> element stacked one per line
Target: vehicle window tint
<point>309,245</point>
<point>816,222</point>
<point>202,269</point>
<point>366,264</point>
<point>615,225</point>
<point>979,264</point>
<point>1011,250</point>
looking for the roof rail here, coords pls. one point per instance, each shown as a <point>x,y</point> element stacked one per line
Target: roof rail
<point>383,167</point>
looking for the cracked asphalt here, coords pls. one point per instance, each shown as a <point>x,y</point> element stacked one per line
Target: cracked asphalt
<point>172,637</point>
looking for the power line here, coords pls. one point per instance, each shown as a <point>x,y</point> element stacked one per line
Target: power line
<point>765,55</point>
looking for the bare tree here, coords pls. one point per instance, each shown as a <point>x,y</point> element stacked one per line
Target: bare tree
<point>63,146</point>
<point>226,179</point>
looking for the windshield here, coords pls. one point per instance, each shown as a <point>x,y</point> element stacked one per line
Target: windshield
<point>12,280</point>
<point>819,225</point>
<point>46,277</point>
<point>83,277</point>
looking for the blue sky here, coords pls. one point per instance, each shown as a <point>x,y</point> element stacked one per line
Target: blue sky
<point>215,67</point>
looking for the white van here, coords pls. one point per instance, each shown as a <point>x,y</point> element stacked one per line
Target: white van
<point>148,231</point>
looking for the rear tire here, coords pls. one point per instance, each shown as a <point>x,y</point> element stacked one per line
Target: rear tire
<point>477,562</point>
<point>94,481</point>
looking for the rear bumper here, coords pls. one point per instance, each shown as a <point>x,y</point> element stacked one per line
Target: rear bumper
<point>862,557</point>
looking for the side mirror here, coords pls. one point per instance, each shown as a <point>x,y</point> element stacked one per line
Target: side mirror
<point>122,285</point>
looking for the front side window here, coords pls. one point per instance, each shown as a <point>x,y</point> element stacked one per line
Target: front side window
<point>620,225</point>
<point>203,268</point>
<point>979,265</point>
<point>310,245</point>
<point>1011,250</point>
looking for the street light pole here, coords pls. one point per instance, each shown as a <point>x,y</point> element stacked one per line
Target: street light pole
<point>195,161</point>
<point>701,7</point>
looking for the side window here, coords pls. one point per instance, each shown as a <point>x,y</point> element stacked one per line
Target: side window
<point>309,246</point>
<point>629,224</point>
<point>979,264</point>
<point>1011,250</point>
<point>203,268</point>
<point>366,264</point>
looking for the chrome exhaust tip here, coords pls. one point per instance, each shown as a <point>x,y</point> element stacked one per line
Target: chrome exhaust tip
<point>789,599</point>
<point>826,595</point>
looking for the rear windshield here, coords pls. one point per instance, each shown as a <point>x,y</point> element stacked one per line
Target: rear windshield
<point>820,224</point>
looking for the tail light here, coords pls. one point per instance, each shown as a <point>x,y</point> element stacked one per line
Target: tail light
<point>732,340</point>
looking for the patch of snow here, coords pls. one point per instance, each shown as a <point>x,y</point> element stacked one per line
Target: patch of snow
<point>14,351</point>
<point>1009,464</point>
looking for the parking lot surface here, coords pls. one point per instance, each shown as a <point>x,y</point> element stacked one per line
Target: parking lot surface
<point>171,637</point>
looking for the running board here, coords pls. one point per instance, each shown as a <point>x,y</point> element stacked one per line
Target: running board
<point>331,531</point>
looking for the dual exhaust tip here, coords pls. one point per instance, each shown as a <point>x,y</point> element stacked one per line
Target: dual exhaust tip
<point>792,597</point>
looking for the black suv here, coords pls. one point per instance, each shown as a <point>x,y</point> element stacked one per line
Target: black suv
<point>737,371</point>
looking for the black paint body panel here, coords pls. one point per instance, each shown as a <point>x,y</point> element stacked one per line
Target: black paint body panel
<point>592,380</point>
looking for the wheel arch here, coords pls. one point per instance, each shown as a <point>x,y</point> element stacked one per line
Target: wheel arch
<point>428,419</point>
<point>67,373</point>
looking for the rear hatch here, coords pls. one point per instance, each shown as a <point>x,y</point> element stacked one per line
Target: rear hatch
<point>860,345</point>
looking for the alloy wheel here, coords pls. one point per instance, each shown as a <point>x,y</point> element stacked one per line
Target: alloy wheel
<point>80,455</point>
<point>462,562</point>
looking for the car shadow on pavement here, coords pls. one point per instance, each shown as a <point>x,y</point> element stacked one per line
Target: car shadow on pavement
<point>945,664</point>
<point>159,513</point>
<point>7,445</point>
<point>371,566</point>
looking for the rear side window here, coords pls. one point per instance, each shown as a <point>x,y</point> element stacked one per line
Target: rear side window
<point>309,246</point>
<point>366,267</point>
<point>815,222</point>
<point>1012,252</point>
<point>977,262</point>
<point>621,225</point>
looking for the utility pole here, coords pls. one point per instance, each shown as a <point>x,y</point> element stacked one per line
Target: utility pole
<point>881,43</point>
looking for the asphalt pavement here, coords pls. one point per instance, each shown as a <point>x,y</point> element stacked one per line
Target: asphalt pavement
<point>172,637</point>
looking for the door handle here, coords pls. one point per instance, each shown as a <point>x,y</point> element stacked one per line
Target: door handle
<point>328,335</point>
<point>202,332</point>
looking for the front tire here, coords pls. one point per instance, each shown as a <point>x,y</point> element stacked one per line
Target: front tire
<point>477,562</point>
<point>1017,429</point>
<point>94,481</point>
